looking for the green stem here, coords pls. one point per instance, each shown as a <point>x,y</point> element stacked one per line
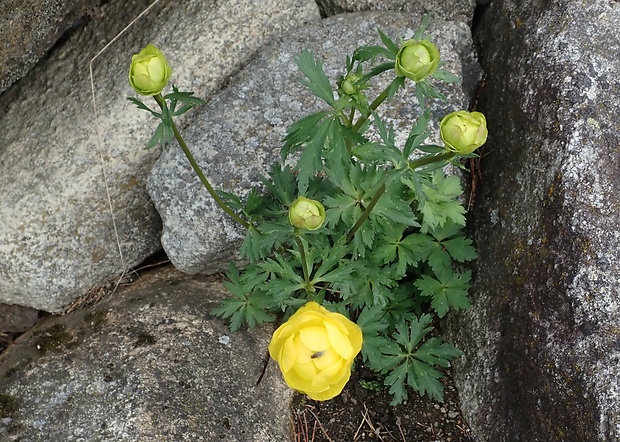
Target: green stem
<point>373,106</point>
<point>428,160</point>
<point>304,262</point>
<point>351,116</point>
<point>198,170</point>
<point>371,205</point>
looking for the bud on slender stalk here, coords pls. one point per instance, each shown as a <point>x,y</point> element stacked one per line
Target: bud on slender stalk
<point>463,132</point>
<point>149,71</point>
<point>305,213</point>
<point>417,59</point>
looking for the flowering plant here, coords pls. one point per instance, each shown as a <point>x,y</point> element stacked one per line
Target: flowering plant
<point>362,237</point>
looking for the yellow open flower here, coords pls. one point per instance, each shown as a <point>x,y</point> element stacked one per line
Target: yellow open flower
<point>149,71</point>
<point>315,349</point>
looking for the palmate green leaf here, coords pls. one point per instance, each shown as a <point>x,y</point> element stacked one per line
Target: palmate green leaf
<point>311,159</point>
<point>187,98</point>
<point>396,381</point>
<point>248,305</point>
<point>300,132</point>
<point>436,352</point>
<point>419,133</point>
<point>371,321</point>
<point>143,106</point>
<point>378,284</point>
<point>317,81</point>
<point>424,90</point>
<point>250,248</point>
<point>441,204</point>
<point>249,312</point>
<point>425,380</point>
<point>281,184</point>
<point>394,210</point>
<point>335,154</point>
<point>331,256</point>
<point>449,290</point>
<point>447,76</point>
<point>158,137</point>
<point>341,208</point>
<point>389,44</point>
<point>365,53</point>
<point>376,70</point>
<point>411,360</point>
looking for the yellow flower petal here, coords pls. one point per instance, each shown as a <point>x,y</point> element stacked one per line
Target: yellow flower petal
<point>315,338</point>
<point>339,341</point>
<point>305,370</point>
<point>327,359</point>
<point>287,355</point>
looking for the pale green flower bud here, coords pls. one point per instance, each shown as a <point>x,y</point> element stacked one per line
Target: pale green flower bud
<point>417,59</point>
<point>347,85</point>
<point>149,71</point>
<point>305,213</point>
<point>463,132</point>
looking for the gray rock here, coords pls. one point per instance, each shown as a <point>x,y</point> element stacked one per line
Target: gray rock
<point>58,162</point>
<point>149,364</point>
<point>453,10</point>
<point>16,319</point>
<point>542,340</point>
<point>29,28</point>
<point>237,135</point>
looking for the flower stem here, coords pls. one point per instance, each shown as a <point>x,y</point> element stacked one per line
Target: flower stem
<point>373,106</point>
<point>430,159</point>
<point>371,205</point>
<point>304,262</point>
<point>220,202</point>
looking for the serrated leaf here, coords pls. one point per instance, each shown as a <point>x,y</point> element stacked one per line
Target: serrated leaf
<point>310,160</point>
<point>460,248</point>
<point>365,53</point>
<point>396,381</point>
<point>317,81</point>
<point>143,106</point>
<point>376,70</point>
<point>389,44</point>
<point>300,132</point>
<point>447,76</point>
<point>424,379</point>
<point>370,320</point>
<point>419,33</point>
<point>419,133</point>
<point>449,290</point>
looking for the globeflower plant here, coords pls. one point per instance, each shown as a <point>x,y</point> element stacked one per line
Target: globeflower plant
<point>356,247</point>
<point>315,350</point>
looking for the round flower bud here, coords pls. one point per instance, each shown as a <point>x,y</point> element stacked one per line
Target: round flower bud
<point>463,132</point>
<point>417,59</point>
<point>347,84</point>
<point>149,71</point>
<point>305,213</point>
<point>315,350</point>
